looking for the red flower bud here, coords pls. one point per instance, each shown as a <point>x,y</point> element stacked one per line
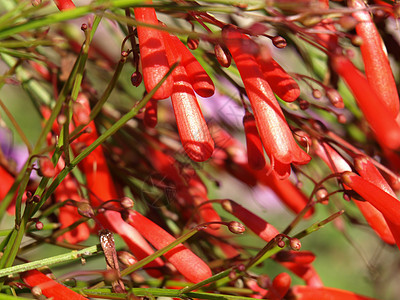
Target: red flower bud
<point>223,56</point>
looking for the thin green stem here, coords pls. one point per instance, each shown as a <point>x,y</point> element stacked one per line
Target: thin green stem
<point>157,292</point>
<point>62,258</point>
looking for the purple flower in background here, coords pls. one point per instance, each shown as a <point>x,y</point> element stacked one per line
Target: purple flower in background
<point>11,151</point>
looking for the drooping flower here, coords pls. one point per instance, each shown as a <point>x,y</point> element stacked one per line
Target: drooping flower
<point>271,123</point>
<point>192,127</point>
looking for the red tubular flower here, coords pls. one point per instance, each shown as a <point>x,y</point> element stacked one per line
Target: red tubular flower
<point>282,84</point>
<point>152,53</point>
<point>297,257</point>
<point>199,79</point>
<point>259,226</point>
<point>338,164</point>
<point>324,293</point>
<point>64,4</point>
<point>273,128</point>
<point>369,172</point>
<point>255,150</point>
<point>377,67</point>
<point>192,127</point>
<point>388,205</point>
<point>49,287</point>
<point>68,189</point>
<point>381,120</point>
<point>150,114</point>
<point>185,261</point>
<point>6,181</point>
<point>280,286</point>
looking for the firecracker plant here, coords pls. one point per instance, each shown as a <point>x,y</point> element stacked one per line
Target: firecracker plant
<point>138,166</point>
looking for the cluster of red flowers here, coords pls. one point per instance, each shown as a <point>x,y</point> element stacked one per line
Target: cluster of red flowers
<point>143,160</point>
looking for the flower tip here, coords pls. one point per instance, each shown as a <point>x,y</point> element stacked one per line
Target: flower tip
<point>199,151</point>
<point>205,91</point>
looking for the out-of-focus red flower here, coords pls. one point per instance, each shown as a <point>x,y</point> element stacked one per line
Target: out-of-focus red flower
<point>388,205</point>
<point>378,116</point>
<point>64,4</point>
<point>369,172</point>
<point>324,293</point>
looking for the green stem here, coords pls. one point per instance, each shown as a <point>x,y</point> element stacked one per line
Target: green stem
<point>158,292</point>
<point>70,256</point>
<point>200,284</point>
<point>49,226</point>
